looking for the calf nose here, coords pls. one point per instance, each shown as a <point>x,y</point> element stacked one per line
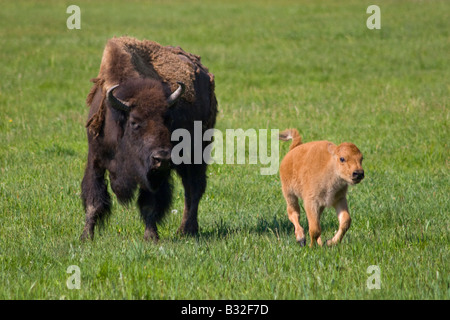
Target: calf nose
<point>358,174</point>
<point>161,158</point>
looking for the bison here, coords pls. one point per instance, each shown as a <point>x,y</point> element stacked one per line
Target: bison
<point>144,92</point>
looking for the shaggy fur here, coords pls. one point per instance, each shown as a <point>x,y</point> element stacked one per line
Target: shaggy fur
<point>319,172</point>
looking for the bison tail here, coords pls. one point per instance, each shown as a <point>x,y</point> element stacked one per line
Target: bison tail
<point>291,134</point>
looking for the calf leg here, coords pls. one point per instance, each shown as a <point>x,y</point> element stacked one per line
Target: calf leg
<point>153,206</point>
<point>344,221</point>
<point>313,213</point>
<point>96,200</point>
<point>293,210</point>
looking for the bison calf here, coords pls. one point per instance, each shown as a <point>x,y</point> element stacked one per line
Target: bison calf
<point>319,172</point>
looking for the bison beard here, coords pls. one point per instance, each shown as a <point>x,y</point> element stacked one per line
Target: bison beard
<point>133,145</point>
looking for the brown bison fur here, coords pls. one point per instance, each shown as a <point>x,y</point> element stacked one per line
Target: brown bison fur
<point>318,172</point>
<point>126,57</point>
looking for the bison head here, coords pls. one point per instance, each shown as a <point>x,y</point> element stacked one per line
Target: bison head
<point>140,108</point>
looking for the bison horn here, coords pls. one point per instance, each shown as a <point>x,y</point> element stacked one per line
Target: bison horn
<point>115,102</point>
<point>176,94</point>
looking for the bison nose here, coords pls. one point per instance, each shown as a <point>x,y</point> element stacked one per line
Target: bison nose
<point>161,158</point>
<point>358,175</point>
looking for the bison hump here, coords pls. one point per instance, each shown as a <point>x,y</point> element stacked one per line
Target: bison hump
<point>127,57</point>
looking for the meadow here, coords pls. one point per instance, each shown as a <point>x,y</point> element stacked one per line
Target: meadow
<point>311,65</point>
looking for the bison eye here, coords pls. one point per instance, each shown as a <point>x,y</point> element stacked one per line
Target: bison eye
<point>342,159</point>
<point>134,125</point>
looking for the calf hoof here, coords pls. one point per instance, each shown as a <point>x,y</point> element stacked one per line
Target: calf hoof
<point>301,242</point>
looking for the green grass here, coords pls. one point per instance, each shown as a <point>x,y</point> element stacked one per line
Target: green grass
<point>312,65</point>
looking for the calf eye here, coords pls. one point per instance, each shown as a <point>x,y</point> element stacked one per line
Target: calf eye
<point>342,159</point>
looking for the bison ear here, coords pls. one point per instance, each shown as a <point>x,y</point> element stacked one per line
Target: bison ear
<point>115,102</point>
<point>176,95</point>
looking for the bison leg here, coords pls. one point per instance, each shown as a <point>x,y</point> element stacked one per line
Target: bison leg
<point>153,206</point>
<point>96,200</point>
<point>194,183</point>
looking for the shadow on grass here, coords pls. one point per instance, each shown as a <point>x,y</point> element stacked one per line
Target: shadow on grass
<point>224,228</point>
<point>273,225</point>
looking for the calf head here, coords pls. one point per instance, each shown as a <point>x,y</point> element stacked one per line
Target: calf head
<point>144,147</point>
<point>348,162</point>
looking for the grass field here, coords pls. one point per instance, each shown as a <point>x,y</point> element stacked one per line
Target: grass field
<point>312,65</point>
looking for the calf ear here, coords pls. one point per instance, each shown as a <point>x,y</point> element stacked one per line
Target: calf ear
<point>332,148</point>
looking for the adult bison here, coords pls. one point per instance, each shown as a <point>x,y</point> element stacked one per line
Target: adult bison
<point>144,92</point>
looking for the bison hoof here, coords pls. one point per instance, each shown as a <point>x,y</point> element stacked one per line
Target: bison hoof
<point>86,236</point>
<point>88,232</point>
<point>186,230</point>
<point>151,235</point>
